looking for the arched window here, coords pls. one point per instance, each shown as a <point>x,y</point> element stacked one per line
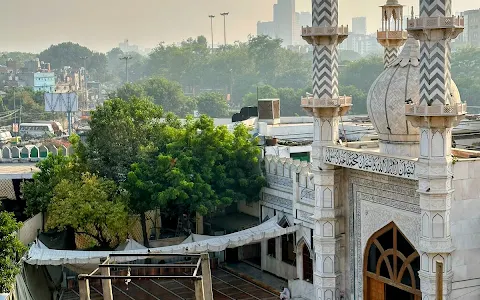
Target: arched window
<point>391,266</point>
<point>307,264</point>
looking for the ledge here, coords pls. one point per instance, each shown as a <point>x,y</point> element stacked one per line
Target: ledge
<point>436,110</point>
<point>435,23</point>
<point>311,102</point>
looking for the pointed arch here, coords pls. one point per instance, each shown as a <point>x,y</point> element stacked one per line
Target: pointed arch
<point>391,260</point>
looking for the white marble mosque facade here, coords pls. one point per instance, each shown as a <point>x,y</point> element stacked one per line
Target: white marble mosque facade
<point>347,194</point>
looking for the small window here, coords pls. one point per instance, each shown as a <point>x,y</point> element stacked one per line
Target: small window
<point>271,248</point>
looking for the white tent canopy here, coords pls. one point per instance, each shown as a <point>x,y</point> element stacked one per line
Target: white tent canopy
<point>39,254</point>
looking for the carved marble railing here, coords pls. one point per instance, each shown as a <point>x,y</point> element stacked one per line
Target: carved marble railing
<point>340,30</point>
<point>370,162</point>
<point>435,22</point>
<point>31,153</point>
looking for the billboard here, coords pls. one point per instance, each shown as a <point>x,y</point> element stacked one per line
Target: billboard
<point>61,102</point>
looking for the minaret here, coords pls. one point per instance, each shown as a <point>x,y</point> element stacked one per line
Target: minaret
<point>327,107</point>
<point>392,36</point>
<point>439,110</point>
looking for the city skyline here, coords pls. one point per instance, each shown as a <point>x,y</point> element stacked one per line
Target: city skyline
<point>102,25</point>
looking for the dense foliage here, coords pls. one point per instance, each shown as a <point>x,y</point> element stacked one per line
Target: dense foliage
<point>92,207</point>
<point>71,54</point>
<point>134,161</point>
<point>39,192</point>
<point>11,250</point>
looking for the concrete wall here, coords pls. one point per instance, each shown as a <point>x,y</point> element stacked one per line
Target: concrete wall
<point>28,233</point>
<point>275,265</point>
<point>465,229</point>
<point>252,208</point>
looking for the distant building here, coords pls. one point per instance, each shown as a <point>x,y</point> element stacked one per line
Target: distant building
<point>284,19</point>
<point>302,19</point>
<point>286,24</point>
<point>266,28</point>
<point>362,44</point>
<point>44,82</point>
<point>359,25</point>
<point>471,34</point>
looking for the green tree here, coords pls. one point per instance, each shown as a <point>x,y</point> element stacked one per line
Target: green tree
<point>19,57</point>
<point>212,104</point>
<point>263,92</point>
<point>195,167</point>
<point>39,192</point>
<point>70,54</point>
<point>93,207</point>
<point>169,95</point>
<point>359,99</point>
<point>119,129</point>
<point>11,250</point>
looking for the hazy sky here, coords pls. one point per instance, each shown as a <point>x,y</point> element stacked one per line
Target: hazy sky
<point>28,25</point>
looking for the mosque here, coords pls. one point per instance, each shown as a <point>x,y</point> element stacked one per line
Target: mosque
<point>376,217</point>
<point>371,219</point>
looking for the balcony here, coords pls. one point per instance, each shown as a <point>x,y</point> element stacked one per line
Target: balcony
<point>324,31</point>
<point>324,35</point>
<point>310,102</point>
<point>435,23</point>
<point>394,35</point>
<point>436,110</point>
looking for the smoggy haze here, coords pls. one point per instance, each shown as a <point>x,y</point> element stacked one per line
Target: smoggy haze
<point>29,25</point>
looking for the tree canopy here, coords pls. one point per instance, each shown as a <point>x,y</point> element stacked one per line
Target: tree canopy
<point>212,104</point>
<point>71,54</point>
<point>93,207</point>
<point>11,250</point>
<point>119,129</point>
<point>39,192</point>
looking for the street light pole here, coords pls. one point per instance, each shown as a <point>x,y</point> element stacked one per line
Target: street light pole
<point>225,14</point>
<point>126,58</point>
<point>85,96</point>
<point>211,27</point>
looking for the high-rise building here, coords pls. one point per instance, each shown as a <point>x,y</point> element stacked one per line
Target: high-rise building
<point>284,19</point>
<point>471,34</point>
<point>266,28</point>
<point>359,25</point>
<point>302,19</point>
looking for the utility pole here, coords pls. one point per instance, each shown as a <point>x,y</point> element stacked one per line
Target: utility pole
<point>126,58</point>
<point>211,27</point>
<point>15,111</point>
<point>225,14</point>
<point>85,96</point>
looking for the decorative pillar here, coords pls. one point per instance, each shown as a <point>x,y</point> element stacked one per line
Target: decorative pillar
<point>437,113</point>
<point>327,107</point>
<point>392,36</point>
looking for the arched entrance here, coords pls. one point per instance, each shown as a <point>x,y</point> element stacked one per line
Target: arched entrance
<point>391,267</point>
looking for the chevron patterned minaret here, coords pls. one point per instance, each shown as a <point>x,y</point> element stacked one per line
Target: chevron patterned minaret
<point>392,36</point>
<point>325,57</point>
<point>435,54</point>
<point>327,107</point>
<point>439,110</point>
